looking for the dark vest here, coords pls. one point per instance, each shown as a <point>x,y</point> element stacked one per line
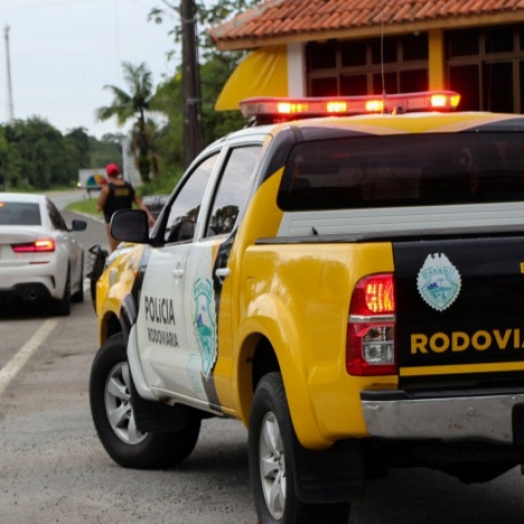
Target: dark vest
<point>119,197</point>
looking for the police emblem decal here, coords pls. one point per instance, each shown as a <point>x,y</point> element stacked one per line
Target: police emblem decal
<point>438,281</point>
<point>204,323</point>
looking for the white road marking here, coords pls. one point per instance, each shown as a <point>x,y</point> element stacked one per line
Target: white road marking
<point>19,360</point>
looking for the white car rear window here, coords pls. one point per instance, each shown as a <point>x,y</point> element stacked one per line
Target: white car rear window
<point>19,214</point>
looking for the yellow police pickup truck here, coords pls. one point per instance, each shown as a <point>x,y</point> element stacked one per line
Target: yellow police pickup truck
<point>343,276</point>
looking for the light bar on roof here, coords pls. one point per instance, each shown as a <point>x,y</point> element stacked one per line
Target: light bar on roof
<point>273,108</point>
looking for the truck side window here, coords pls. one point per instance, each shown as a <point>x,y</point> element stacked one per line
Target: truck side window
<point>233,189</point>
<point>180,225</point>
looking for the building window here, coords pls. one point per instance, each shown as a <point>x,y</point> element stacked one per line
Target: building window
<point>485,66</point>
<point>497,87</point>
<point>354,54</point>
<point>384,51</point>
<point>465,79</point>
<point>365,67</point>
<point>324,86</point>
<point>463,43</point>
<point>414,48</point>
<point>322,57</point>
<point>499,40</point>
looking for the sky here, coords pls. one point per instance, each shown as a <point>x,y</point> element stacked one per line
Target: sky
<point>63,52</point>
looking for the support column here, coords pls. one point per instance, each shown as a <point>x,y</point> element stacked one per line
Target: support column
<point>436,59</point>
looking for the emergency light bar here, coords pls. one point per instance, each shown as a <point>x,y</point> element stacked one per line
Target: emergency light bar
<point>277,109</point>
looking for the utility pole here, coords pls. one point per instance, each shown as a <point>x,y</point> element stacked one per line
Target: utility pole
<point>192,111</point>
<point>10,106</point>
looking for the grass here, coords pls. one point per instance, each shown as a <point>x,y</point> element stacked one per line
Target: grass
<point>85,206</point>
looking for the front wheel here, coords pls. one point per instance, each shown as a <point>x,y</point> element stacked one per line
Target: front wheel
<point>114,419</point>
<point>271,440</point>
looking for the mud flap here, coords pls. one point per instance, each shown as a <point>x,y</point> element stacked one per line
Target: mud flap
<point>151,416</point>
<point>518,424</point>
<point>333,475</point>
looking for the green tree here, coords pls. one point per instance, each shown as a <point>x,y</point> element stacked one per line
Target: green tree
<point>134,105</point>
<point>208,14</point>
<point>35,155</point>
<point>215,69</point>
<point>78,146</point>
<point>10,172</point>
<point>43,158</point>
<point>168,100</point>
<point>105,151</point>
<point>214,73</point>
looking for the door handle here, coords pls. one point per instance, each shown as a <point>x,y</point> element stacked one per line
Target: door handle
<point>222,273</point>
<point>177,273</point>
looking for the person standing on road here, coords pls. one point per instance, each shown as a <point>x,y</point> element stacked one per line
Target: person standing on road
<point>118,194</point>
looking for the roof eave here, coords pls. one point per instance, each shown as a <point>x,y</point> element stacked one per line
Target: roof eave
<point>371,31</point>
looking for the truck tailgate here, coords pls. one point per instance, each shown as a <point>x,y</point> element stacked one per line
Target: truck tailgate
<point>460,311</point>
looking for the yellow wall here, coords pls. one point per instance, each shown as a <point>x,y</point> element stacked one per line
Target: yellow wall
<point>261,73</point>
<point>436,59</point>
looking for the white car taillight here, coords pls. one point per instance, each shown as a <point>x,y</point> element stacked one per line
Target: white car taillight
<point>42,245</point>
<point>370,345</point>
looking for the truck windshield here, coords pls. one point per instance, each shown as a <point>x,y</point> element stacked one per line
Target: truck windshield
<point>404,170</point>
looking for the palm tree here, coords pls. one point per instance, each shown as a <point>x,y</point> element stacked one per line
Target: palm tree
<point>134,105</point>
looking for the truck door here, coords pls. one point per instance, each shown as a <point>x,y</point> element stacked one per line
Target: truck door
<point>208,283</point>
<point>161,324</point>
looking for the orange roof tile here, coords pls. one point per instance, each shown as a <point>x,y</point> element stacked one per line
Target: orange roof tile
<point>286,18</point>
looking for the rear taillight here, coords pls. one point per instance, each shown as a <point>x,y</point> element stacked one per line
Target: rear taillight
<point>370,346</point>
<point>44,245</point>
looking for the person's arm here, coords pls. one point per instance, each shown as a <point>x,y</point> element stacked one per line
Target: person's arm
<point>101,202</point>
<point>141,205</point>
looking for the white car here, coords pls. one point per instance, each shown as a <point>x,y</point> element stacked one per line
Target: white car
<point>40,259</point>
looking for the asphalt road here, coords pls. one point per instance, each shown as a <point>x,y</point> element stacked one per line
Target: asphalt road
<point>53,469</point>
<point>52,465</point>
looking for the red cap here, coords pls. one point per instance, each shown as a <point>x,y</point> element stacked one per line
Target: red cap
<point>112,170</point>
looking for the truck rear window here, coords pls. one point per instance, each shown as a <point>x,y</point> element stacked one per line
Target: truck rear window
<point>404,170</point>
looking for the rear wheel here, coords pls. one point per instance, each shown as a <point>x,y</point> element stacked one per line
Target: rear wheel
<point>99,257</point>
<point>63,305</point>
<point>78,296</point>
<point>271,440</point>
<point>114,419</point>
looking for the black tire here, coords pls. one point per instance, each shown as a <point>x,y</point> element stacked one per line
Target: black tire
<point>78,296</point>
<point>109,391</point>
<point>63,305</point>
<point>92,286</point>
<point>271,439</point>
<point>99,259</point>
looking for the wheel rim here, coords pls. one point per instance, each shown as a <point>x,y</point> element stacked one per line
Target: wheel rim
<point>272,466</point>
<point>119,410</point>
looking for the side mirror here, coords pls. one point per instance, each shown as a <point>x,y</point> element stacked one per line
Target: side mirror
<point>130,225</point>
<point>78,225</point>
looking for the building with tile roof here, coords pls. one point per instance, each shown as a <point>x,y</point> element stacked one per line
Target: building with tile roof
<point>355,47</point>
